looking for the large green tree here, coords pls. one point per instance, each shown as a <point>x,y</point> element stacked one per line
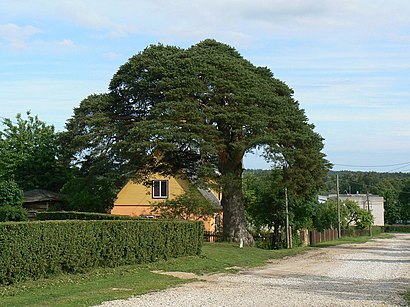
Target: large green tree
<point>199,111</point>
<point>29,150</point>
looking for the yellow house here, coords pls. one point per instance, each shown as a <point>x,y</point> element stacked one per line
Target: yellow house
<point>136,199</point>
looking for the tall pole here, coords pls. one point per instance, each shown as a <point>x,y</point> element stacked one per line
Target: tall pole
<point>287,219</point>
<point>368,209</point>
<point>339,231</point>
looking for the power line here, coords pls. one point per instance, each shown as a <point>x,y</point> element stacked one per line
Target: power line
<point>384,165</point>
<point>395,169</point>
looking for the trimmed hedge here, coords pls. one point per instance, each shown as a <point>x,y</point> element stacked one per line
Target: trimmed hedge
<point>32,250</point>
<point>75,215</point>
<point>396,228</point>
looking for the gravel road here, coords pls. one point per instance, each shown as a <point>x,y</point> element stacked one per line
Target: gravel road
<point>370,274</point>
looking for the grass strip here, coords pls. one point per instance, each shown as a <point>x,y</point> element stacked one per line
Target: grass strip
<point>348,240</point>
<point>407,297</point>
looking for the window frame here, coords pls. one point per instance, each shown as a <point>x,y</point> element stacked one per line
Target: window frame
<point>161,188</point>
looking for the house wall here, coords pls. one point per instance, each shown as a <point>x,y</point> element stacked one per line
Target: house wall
<point>376,204</point>
<point>135,199</point>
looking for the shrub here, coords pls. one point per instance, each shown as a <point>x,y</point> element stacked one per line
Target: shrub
<point>31,250</point>
<point>13,213</point>
<point>10,193</point>
<point>396,228</point>
<point>74,215</point>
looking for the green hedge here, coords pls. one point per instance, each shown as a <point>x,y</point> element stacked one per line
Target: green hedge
<point>74,215</point>
<point>31,250</point>
<point>396,228</point>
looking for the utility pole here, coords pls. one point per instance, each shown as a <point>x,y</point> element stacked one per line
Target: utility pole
<point>368,209</point>
<point>339,231</point>
<point>287,219</point>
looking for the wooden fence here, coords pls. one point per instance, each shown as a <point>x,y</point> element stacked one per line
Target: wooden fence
<point>307,237</point>
<point>321,236</point>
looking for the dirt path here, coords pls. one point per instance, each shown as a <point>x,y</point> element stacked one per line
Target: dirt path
<point>370,274</point>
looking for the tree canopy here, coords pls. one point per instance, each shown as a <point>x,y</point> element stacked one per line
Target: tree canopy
<point>29,150</point>
<point>198,111</point>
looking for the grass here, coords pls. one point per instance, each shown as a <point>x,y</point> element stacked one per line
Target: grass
<point>347,240</point>
<point>119,283</point>
<point>407,297</point>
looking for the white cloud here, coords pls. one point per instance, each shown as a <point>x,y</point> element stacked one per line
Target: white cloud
<point>16,36</point>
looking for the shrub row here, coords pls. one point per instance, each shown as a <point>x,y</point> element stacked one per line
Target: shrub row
<point>31,250</point>
<point>396,228</point>
<point>74,215</point>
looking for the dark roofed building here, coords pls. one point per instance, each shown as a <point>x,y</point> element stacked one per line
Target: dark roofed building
<point>39,200</point>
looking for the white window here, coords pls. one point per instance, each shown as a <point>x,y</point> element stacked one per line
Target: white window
<point>160,189</point>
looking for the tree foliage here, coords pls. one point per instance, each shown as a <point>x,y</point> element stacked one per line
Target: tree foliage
<point>29,150</point>
<point>10,193</point>
<point>404,201</point>
<point>11,201</point>
<point>190,205</point>
<point>198,110</point>
<point>265,201</point>
<point>325,216</point>
<point>88,194</point>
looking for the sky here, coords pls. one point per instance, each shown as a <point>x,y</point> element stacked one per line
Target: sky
<point>348,61</point>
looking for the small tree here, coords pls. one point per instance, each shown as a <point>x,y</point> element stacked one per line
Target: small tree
<point>364,219</point>
<point>352,214</point>
<point>325,216</point>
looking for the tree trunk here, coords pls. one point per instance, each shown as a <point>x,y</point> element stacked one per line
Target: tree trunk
<point>234,224</point>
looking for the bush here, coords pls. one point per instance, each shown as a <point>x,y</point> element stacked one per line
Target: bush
<point>74,215</point>
<point>13,213</point>
<point>396,228</point>
<point>10,193</point>
<point>31,250</point>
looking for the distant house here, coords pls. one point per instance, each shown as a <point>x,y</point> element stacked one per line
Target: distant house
<point>136,199</point>
<point>374,203</point>
<point>39,200</point>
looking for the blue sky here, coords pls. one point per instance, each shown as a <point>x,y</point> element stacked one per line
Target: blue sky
<point>347,61</point>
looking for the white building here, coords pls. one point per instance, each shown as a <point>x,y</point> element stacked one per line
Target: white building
<point>374,203</point>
